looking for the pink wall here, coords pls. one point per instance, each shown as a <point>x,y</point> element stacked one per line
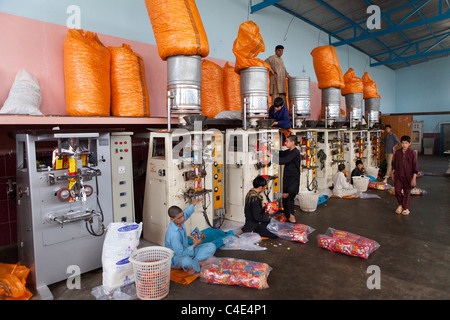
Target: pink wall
<point>38,48</point>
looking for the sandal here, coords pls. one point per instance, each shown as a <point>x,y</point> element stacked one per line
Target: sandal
<point>405,212</point>
<point>399,210</point>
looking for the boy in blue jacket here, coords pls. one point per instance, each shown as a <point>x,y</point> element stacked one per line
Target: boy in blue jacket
<point>188,257</point>
<point>280,113</point>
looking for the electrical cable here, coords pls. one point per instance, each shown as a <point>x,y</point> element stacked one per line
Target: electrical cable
<point>89,226</point>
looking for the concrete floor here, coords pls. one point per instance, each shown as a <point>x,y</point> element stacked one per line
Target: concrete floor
<point>414,256</point>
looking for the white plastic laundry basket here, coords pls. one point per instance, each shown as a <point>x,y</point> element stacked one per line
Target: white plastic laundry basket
<point>308,200</point>
<point>372,171</point>
<point>361,183</point>
<point>151,267</point>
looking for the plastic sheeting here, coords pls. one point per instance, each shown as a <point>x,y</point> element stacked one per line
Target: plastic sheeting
<point>86,74</point>
<point>327,68</point>
<point>248,44</point>
<point>178,28</point>
<point>129,94</point>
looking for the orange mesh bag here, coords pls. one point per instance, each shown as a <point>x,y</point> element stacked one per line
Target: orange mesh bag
<point>231,88</point>
<point>13,278</point>
<point>129,94</point>
<point>178,28</point>
<point>326,66</point>
<point>86,74</point>
<point>212,89</point>
<point>370,87</point>
<point>353,84</point>
<point>248,44</point>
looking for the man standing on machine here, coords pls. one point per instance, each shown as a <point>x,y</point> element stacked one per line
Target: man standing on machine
<point>278,74</point>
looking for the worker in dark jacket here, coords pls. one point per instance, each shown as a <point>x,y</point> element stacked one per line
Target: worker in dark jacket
<point>358,171</point>
<point>256,219</point>
<point>290,158</point>
<point>280,113</point>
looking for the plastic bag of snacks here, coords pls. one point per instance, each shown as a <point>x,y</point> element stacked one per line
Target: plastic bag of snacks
<point>236,272</point>
<point>271,205</point>
<point>231,88</point>
<point>129,94</point>
<point>288,231</point>
<point>87,66</point>
<point>378,185</point>
<point>347,243</point>
<point>197,234</point>
<point>178,28</point>
<point>327,68</point>
<point>212,98</point>
<point>13,280</point>
<point>370,87</point>
<point>248,44</point>
<point>414,191</point>
<point>278,216</point>
<point>353,84</point>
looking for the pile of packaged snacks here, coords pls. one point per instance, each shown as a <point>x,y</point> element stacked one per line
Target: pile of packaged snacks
<point>272,205</point>
<point>347,243</point>
<point>288,231</point>
<point>236,272</point>
<point>378,185</point>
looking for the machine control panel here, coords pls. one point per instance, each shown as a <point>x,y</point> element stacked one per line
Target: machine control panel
<point>122,176</point>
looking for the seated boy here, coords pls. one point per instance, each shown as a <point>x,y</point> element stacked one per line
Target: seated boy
<point>358,171</point>
<point>256,219</point>
<point>341,186</point>
<point>188,257</point>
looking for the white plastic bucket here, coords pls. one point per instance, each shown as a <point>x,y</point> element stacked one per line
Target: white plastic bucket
<point>151,267</point>
<point>371,171</point>
<point>308,200</point>
<point>361,183</point>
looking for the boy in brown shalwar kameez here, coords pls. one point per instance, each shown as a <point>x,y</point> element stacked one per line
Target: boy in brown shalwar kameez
<point>404,173</point>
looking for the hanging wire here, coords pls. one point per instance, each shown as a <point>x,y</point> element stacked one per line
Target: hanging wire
<point>289,25</point>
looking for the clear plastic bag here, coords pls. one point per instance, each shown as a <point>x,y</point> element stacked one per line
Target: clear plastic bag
<point>288,231</point>
<point>363,195</point>
<point>230,271</point>
<point>246,241</point>
<point>347,243</point>
<point>126,292</point>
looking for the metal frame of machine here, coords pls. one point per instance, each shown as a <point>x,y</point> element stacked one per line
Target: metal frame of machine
<point>329,155</point>
<point>64,203</point>
<point>355,148</point>
<point>374,148</point>
<point>308,148</point>
<point>247,156</point>
<point>183,165</point>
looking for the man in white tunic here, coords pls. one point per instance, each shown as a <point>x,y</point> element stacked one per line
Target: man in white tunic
<point>278,74</point>
<point>342,188</point>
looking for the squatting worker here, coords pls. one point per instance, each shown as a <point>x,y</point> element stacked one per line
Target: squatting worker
<point>278,74</point>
